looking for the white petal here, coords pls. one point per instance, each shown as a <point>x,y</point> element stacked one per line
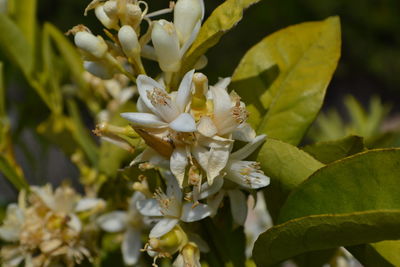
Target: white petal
<point>112,222</point>
<point>131,246</point>
<point>197,213</point>
<point>207,127</point>
<point>149,52</point>
<point>178,163</point>
<point>238,204</point>
<point>215,201</point>
<point>222,104</point>
<point>149,207</point>
<point>137,196</point>
<point>183,123</point>
<point>145,84</point>
<point>244,132</point>
<point>146,120</point>
<point>74,223</point>
<point>184,92</point>
<point>191,39</point>
<point>217,162</point>
<point>201,155</point>
<point>249,148</point>
<point>88,203</point>
<point>179,261</point>
<point>223,83</point>
<point>141,106</point>
<point>173,188</point>
<point>162,227</point>
<point>209,190</point>
<point>126,94</point>
<point>245,174</point>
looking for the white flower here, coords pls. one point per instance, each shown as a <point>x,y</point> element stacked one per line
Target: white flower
<point>246,173</point>
<point>189,256</point>
<point>188,15</point>
<point>129,41</point>
<point>12,225</point>
<point>167,114</point>
<point>93,45</point>
<point>170,208</point>
<point>131,223</point>
<point>172,40</point>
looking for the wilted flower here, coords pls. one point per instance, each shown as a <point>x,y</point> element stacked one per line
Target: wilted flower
<point>46,222</point>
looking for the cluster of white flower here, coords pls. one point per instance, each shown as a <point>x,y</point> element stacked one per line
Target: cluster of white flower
<point>190,132</point>
<point>47,227</point>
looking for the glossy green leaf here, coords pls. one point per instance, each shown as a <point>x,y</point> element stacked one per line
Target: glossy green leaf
<point>15,46</point>
<point>223,18</point>
<point>287,166</point>
<point>326,231</point>
<point>327,152</point>
<point>365,181</point>
<point>382,254</point>
<point>285,76</point>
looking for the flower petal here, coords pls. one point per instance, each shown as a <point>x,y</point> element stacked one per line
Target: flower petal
<point>238,204</point>
<point>209,190</point>
<point>217,162</point>
<point>247,174</point>
<point>88,203</point>
<point>249,148</point>
<point>131,246</point>
<point>162,227</point>
<point>178,163</point>
<point>149,207</point>
<point>113,222</point>
<point>184,92</point>
<point>197,213</point>
<point>201,155</point>
<point>244,132</point>
<point>207,127</point>
<point>183,123</point>
<point>146,120</point>
<point>173,188</point>
<point>145,84</point>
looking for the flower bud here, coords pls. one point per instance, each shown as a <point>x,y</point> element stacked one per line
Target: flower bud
<point>110,8</point>
<point>133,14</point>
<point>98,70</point>
<point>129,41</point>
<point>187,14</point>
<point>166,45</point>
<point>91,44</point>
<point>108,21</point>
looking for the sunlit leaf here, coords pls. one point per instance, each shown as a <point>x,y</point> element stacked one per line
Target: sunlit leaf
<point>25,17</point>
<point>15,46</point>
<point>287,166</point>
<point>223,18</point>
<point>384,253</point>
<point>329,151</point>
<point>285,76</point>
<point>326,231</point>
<point>365,181</point>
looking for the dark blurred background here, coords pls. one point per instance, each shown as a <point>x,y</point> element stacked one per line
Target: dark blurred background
<point>370,62</point>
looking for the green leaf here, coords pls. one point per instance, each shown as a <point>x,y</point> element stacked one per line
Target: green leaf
<point>327,152</point>
<point>287,166</point>
<point>26,19</point>
<point>285,76</point>
<point>81,134</point>
<point>68,52</point>
<point>15,46</point>
<point>223,18</point>
<point>384,253</point>
<point>12,172</point>
<point>318,232</point>
<point>365,181</point>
